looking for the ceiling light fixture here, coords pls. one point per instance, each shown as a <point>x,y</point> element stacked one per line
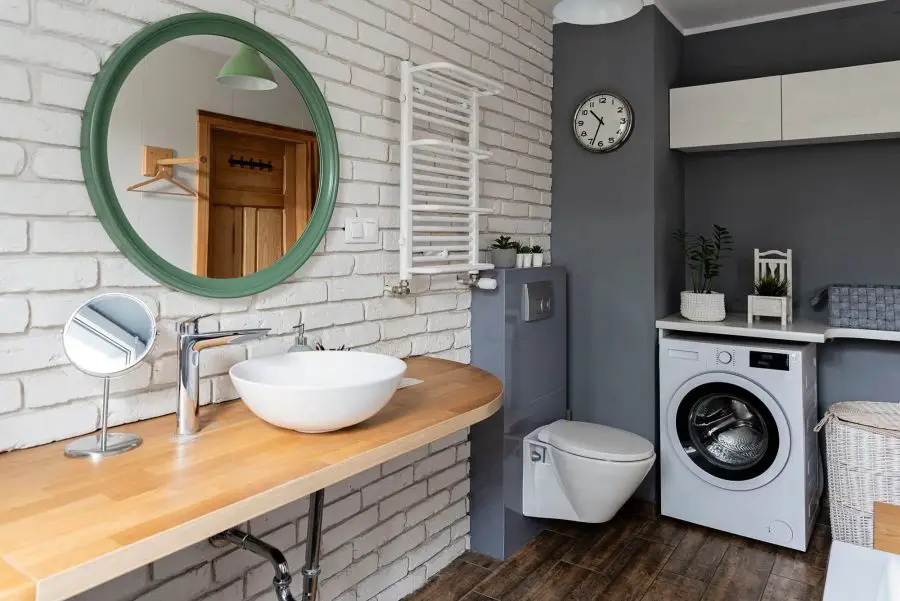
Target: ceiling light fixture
<point>247,70</point>
<point>596,12</point>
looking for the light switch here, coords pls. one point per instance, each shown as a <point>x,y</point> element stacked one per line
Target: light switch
<point>360,230</point>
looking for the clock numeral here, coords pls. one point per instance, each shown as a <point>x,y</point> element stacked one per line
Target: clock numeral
<point>620,109</point>
<point>584,134</point>
<point>623,120</point>
<point>580,122</point>
<point>603,100</point>
<point>612,140</point>
<point>592,104</point>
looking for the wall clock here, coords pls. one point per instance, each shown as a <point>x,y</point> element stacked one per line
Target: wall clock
<point>603,122</point>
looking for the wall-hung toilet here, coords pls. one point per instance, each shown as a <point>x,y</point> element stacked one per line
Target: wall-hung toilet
<point>582,472</point>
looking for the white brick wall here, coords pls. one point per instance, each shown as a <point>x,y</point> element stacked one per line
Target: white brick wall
<point>54,254</point>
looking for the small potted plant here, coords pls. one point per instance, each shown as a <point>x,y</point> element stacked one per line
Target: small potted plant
<point>537,256</point>
<point>503,252</point>
<point>769,298</point>
<point>524,258</point>
<point>704,257</point>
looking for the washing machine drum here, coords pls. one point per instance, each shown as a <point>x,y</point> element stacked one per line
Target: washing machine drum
<point>727,431</point>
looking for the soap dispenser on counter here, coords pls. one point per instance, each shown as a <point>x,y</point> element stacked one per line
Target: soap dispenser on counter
<point>301,344</point>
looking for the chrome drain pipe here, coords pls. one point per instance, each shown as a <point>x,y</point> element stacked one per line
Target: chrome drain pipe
<point>282,580</point>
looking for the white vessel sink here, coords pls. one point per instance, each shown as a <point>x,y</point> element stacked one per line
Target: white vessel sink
<point>317,391</point>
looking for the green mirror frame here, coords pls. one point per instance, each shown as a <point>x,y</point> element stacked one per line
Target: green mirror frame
<point>95,164</point>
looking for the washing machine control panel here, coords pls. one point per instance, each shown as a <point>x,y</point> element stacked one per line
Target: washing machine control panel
<point>724,358</point>
<point>767,360</point>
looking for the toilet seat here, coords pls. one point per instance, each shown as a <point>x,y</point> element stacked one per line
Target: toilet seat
<point>596,441</point>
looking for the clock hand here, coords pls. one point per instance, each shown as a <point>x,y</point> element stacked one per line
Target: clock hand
<point>600,119</point>
<point>596,133</point>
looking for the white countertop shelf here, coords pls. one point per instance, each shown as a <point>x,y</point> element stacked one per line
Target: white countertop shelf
<point>801,330</point>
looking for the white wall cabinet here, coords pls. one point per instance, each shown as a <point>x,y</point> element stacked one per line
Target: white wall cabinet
<point>842,104</point>
<point>735,114</point>
<point>834,105</point>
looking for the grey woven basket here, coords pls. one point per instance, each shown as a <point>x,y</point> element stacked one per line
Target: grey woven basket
<point>866,307</point>
<point>862,444</point>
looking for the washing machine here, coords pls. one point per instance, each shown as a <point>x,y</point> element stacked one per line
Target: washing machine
<point>737,447</point>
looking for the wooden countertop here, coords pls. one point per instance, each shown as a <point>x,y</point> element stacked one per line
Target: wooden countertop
<point>67,525</point>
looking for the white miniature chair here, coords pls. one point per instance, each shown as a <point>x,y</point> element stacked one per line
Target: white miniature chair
<point>778,263</point>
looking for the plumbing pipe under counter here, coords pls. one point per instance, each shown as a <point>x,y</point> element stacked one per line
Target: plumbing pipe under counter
<point>68,526</point>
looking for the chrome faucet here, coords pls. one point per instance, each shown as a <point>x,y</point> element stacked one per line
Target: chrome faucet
<point>190,343</point>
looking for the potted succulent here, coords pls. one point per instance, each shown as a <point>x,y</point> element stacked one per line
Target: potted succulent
<point>537,256</point>
<point>769,298</point>
<point>503,252</point>
<point>523,259</point>
<point>704,257</point>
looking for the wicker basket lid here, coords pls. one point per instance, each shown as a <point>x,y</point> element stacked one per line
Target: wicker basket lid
<point>868,414</point>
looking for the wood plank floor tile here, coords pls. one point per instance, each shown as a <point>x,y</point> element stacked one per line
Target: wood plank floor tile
<point>664,530</point>
<point>674,587</point>
<point>597,552</point>
<point>808,568</point>
<point>473,596</point>
<point>481,560</point>
<point>453,582</point>
<point>699,553</point>
<point>634,570</point>
<point>527,568</point>
<point>567,582</point>
<point>785,589</point>
<point>742,575</point>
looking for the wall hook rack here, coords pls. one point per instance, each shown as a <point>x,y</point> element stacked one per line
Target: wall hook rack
<point>251,164</point>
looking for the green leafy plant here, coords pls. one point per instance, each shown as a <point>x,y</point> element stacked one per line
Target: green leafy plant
<point>504,242</point>
<point>771,284</point>
<point>524,249</point>
<point>705,255</point>
<point>536,249</point>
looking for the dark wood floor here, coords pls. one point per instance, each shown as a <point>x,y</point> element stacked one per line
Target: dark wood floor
<point>637,557</point>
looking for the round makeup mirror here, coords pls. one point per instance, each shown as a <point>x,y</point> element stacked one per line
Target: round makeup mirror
<point>107,337</point>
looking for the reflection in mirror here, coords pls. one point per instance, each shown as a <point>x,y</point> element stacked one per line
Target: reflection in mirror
<point>106,337</point>
<point>213,156</point>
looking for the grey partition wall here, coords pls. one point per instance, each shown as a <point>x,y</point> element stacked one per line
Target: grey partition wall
<point>528,354</point>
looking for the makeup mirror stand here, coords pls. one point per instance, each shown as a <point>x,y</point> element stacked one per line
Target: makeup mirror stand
<point>108,336</point>
<point>103,443</point>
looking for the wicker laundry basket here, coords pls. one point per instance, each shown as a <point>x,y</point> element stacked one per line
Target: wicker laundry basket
<point>863,456</point>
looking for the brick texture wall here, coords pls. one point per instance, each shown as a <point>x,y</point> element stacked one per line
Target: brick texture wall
<point>54,255</point>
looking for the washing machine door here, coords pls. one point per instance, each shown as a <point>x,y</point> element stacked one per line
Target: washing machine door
<point>729,431</point>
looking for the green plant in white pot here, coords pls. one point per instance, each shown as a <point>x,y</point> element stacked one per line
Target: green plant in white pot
<point>526,254</point>
<point>503,252</point>
<point>537,256</point>
<point>704,256</point>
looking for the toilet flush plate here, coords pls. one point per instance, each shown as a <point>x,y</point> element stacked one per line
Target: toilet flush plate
<point>537,300</point>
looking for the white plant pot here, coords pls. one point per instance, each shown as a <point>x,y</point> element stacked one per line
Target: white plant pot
<point>537,260</point>
<point>520,260</point>
<point>768,306</point>
<point>529,260</point>
<point>697,306</point>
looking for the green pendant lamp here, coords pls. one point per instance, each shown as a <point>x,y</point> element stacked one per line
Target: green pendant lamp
<point>247,70</point>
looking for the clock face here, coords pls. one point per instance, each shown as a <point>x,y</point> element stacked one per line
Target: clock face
<point>603,122</point>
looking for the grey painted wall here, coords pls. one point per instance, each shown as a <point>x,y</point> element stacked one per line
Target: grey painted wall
<point>612,214</point>
<point>836,205</point>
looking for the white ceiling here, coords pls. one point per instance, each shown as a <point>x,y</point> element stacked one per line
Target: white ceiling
<point>697,16</point>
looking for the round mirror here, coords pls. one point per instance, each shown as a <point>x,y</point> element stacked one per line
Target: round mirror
<point>109,335</point>
<point>210,155</point>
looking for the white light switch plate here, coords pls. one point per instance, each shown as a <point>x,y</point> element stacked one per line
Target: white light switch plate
<point>359,230</point>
